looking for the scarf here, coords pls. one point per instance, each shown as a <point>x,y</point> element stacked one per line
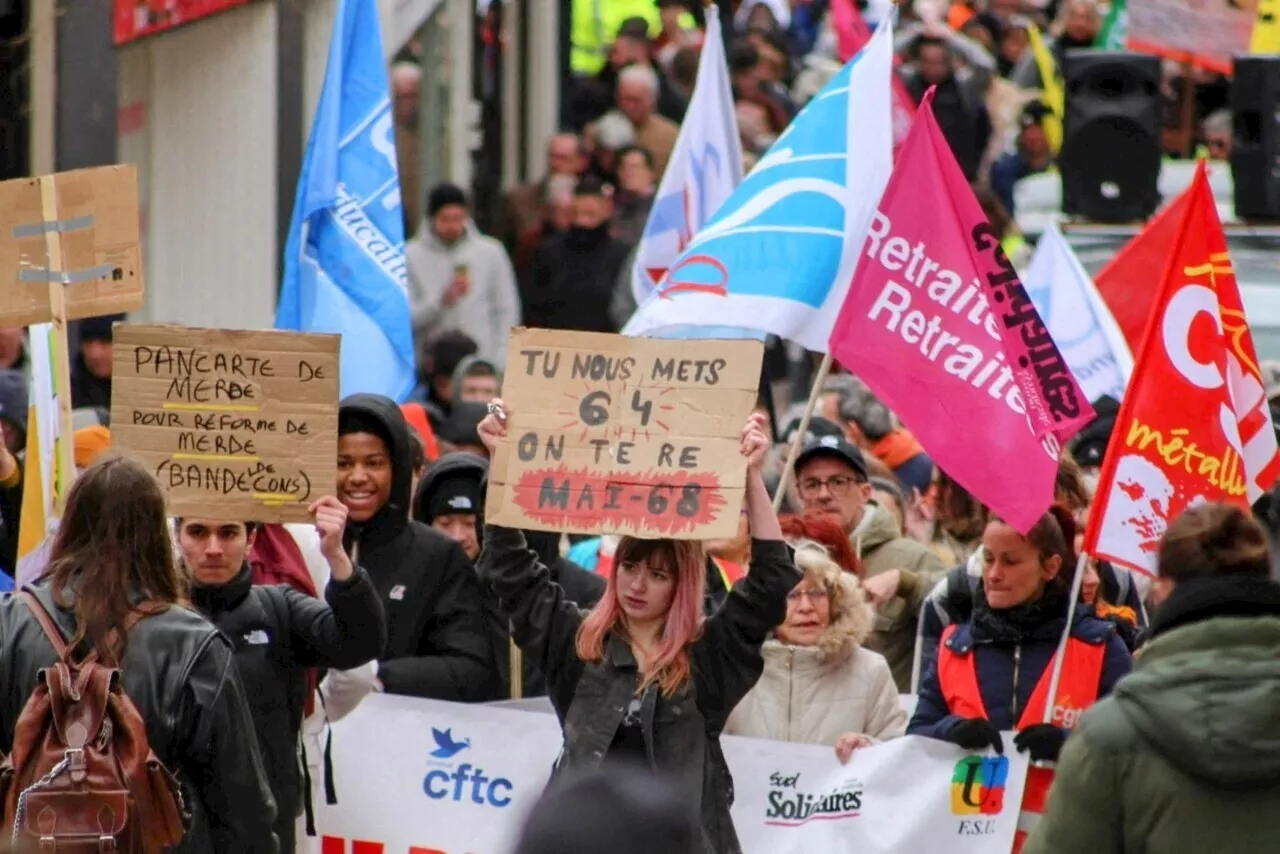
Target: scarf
<point>1039,618</point>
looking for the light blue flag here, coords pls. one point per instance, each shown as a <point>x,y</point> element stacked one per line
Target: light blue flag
<point>344,262</point>
<point>779,254</point>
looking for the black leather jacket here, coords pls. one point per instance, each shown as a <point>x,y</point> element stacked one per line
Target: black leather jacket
<point>179,672</point>
<point>681,733</point>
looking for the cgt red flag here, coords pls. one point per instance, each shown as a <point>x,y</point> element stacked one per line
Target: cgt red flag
<point>1129,283</point>
<point>1194,425</point>
<point>939,326</point>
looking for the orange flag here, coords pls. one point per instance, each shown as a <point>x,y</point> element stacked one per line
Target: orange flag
<point>1128,283</point>
<point>1194,425</point>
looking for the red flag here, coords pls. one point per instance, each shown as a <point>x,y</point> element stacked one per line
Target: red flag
<point>1194,425</point>
<point>939,326</point>
<point>1128,283</point>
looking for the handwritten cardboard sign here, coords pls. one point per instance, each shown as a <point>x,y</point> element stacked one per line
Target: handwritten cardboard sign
<point>609,434</point>
<point>235,425</point>
<point>92,216</point>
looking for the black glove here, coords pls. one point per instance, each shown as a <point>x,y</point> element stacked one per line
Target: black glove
<point>1042,741</point>
<point>975,734</point>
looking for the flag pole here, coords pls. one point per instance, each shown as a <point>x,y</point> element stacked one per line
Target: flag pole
<point>1056,676</point>
<point>798,440</point>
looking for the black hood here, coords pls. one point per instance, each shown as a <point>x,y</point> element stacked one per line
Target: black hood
<point>448,466</point>
<point>394,516</point>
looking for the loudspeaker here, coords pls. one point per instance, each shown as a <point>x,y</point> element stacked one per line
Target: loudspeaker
<point>1255,143</point>
<point>1110,157</point>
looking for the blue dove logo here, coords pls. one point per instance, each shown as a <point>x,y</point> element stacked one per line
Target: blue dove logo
<point>446,747</point>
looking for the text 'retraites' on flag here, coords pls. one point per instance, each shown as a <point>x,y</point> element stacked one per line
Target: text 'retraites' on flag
<point>344,260</point>
<point>233,424</point>
<point>778,255</point>
<point>939,326</point>
<point>1195,424</point>
<point>628,435</point>
<point>702,172</point>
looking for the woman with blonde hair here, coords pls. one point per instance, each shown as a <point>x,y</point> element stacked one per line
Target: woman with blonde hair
<point>820,686</point>
<point>643,676</point>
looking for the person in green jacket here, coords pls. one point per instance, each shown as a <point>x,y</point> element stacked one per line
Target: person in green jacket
<point>1184,756</point>
<point>898,573</point>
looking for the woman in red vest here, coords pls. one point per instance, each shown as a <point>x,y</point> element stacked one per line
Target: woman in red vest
<point>992,673</point>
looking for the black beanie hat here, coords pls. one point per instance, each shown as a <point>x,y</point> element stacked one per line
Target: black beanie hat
<point>99,328</point>
<point>459,494</point>
<point>443,195</point>
<point>1090,444</point>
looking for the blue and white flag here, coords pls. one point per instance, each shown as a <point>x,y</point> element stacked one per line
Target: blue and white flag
<point>704,169</point>
<point>779,254</point>
<point>344,263</point>
<point>1077,318</point>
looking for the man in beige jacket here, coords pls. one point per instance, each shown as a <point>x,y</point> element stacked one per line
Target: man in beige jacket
<point>831,478</point>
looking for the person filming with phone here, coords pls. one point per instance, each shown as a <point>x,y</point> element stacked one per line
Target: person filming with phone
<point>460,279</point>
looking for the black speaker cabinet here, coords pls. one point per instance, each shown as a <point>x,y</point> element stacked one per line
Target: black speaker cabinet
<point>1255,143</point>
<point>1110,157</point>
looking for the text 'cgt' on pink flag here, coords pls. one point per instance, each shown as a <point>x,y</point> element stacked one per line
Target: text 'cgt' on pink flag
<point>939,326</point>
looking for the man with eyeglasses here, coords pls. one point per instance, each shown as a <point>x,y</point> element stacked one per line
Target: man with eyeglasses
<point>831,478</point>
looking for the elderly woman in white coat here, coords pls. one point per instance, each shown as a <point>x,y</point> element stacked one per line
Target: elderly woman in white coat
<point>819,685</point>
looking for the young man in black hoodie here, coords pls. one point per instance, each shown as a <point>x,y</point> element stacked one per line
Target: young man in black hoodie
<point>451,499</point>
<point>437,645</point>
<point>279,632</point>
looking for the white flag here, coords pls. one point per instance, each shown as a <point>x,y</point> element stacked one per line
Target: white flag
<point>1077,317</point>
<point>778,255</point>
<point>704,169</point>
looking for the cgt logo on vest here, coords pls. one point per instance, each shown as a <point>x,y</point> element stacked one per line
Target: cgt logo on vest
<point>1066,714</point>
<point>977,789</point>
<point>462,782</point>
<point>791,807</point>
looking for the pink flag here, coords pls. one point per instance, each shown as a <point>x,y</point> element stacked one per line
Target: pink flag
<point>939,326</point>
<point>852,33</point>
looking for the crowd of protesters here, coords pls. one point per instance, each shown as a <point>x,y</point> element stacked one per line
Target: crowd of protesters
<point>880,576</point>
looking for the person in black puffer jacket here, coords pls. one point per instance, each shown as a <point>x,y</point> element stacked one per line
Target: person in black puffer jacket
<point>451,499</point>
<point>279,632</point>
<point>437,643</point>
<point>176,668</point>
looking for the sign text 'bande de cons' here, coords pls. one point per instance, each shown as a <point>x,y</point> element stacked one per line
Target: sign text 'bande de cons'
<point>626,435</point>
<point>234,424</point>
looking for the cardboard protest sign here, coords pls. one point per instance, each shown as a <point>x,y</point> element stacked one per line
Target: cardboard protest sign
<point>235,425</point>
<point>610,434</point>
<point>78,228</point>
<point>1208,33</point>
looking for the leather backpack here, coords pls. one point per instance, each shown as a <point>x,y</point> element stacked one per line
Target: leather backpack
<point>82,776</point>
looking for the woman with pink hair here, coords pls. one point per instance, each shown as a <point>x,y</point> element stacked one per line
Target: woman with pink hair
<point>643,676</point>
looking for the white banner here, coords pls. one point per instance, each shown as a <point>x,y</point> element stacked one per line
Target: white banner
<point>426,777</point>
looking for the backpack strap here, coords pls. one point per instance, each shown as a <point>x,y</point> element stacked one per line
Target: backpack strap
<point>55,636</point>
<point>51,630</point>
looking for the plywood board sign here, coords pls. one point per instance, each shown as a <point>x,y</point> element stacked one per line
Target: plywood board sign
<point>610,434</point>
<point>92,214</point>
<point>235,425</point>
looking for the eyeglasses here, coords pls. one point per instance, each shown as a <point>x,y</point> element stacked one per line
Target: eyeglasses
<point>839,486</point>
<point>814,596</point>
